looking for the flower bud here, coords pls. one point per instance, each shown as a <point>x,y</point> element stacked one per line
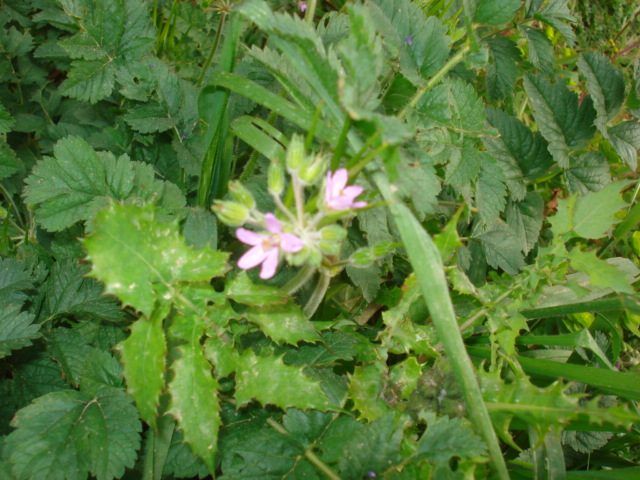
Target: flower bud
<point>230,213</point>
<point>311,169</point>
<point>295,153</point>
<point>333,233</point>
<point>241,195</point>
<point>275,177</point>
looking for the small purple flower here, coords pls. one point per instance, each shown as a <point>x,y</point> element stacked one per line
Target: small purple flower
<point>266,247</point>
<point>302,6</point>
<point>408,40</point>
<point>337,196</point>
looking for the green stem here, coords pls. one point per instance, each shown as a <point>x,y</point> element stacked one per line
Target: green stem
<point>425,258</point>
<point>310,12</point>
<point>297,282</point>
<point>317,295</point>
<point>312,131</point>
<point>354,160</point>
<point>452,62</point>
<point>355,169</point>
<point>337,155</point>
<point>162,38</point>
<point>214,49</point>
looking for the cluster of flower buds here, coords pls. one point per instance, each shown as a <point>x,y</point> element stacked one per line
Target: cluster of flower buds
<point>304,233</point>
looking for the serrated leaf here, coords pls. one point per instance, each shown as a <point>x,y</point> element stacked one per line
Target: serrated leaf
<point>590,216</point>
<point>365,390</point>
<point>446,438</point>
<point>605,84</point>
<point>6,121</point>
<point>467,109</point>
<point>15,278</point>
<point>421,42</point>
<point>491,190</point>
<point>373,448</point>
<point>502,248</point>
<point>540,49</point>
<point>553,13</point>
<point>111,33</point>
<point>140,259</point>
<point>69,292</point>
<point>194,402</point>
<point>334,345</point>
<point>417,182</point>
<point>38,376</point>
<point>502,73</point>
<point>525,219</point>
<point>283,323</point>
<point>269,381</point>
<point>69,349</point>
<point>77,182</point>
<point>244,291</point>
<point>565,124</point>
<point>625,139</point>
<point>143,358</point>
<point>65,435</point>
<point>496,12</point>
<point>601,273</point>
<point>181,462</point>
<point>463,167</point>
<point>9,163</point>
<point>17,329</point>
<point>150,118</point>
<point>588,173</point>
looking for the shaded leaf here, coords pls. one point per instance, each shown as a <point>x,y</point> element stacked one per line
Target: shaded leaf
<point>555,14</point>
<point>365,390</point>
<point>625,139</point>
<point>17,329</point>
<point>525,219</point>
<point>605,84</point>
<point>491,190</point>
<point>540,49</point>
<point>502,248</point>
<point>496,12</point>
<point>502,73</point>
<point>588,173</point>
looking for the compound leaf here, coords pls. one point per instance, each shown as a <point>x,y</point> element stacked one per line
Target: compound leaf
<point>139,259</point>
<point>562,122</point>
<point>65,435</point>
<point>16,329</point>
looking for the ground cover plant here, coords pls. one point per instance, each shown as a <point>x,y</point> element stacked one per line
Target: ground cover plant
<point>341,239</point>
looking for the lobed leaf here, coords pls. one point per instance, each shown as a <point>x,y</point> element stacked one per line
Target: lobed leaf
<point>140,259</point>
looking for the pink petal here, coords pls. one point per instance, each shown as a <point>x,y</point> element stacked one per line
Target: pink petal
<point>252,257</point>
<point>248,237</point>
<point>290,243</point>
<point>339,203</point>
<point>339,181</point>
<point>270,264</point>
<point>273,225</point>
<point>328,188</point>
<point>359,204</point>
<point>352,192</point>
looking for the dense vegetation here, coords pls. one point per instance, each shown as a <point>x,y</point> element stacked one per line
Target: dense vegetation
<point>341,239</point>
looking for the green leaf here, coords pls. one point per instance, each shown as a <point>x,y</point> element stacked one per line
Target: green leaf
<point>244,291</point>
<point>68,292</point>
<point>446,438</point>
<point>553,13</point>
<point>366,392</point>
<point>283,323</point>
<point>15,278</point>
<point>525,219</point>
<point>601,273</point>
<point>496,12</point>
<point>502,248</point>
<point>17,329</point>
<point>401,20</point>
<point>143,358</point>
<point>6,120</point>
<point>69,349</point>
<point>373,448</point>
<point>490,190</point>
<point>590,216</point>
<point>334,346</point>
<point>418,183</point>
<point>65,435</point>
<point>194,400</point>
<point>150,118</point>
<point>605,84</point>
<point>111,34</point>
<point>502,73</point>
<point>9,163</point>
<point>467,108</point>
<point>588,173</point>
<point>269,381</point>
<point>625,139</point>
<point>140,259</point>
<point>521,154</point>
<point>565,124</point>
<point>463,167</point>
<point>362,60</point>
<point>540,49</point>
<point>181,463</point>
<point>77,182</point>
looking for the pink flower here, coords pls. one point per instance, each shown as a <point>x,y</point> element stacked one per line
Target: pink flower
<point>266,246</point>
<point>303,6</point>
<point>337,196</point>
